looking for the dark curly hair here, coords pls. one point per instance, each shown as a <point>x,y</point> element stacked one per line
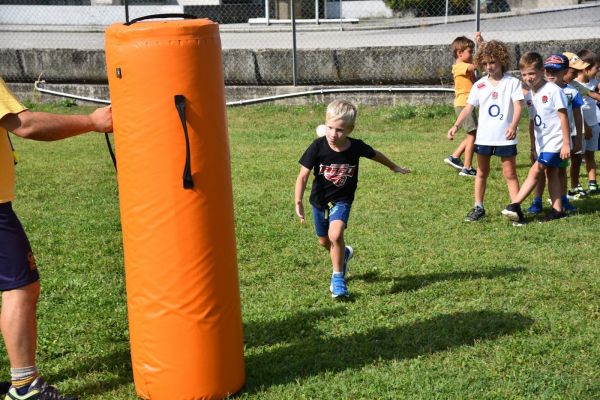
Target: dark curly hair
<point>493,50</point>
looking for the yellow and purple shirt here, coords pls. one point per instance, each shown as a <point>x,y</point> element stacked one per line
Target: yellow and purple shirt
<point>8,105</point>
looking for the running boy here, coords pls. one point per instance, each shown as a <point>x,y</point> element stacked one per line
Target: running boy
<point>463,72</point>
<point>499,97</point>
<point>555,67</point>
<point>334,160</point>
<point>549,132</point>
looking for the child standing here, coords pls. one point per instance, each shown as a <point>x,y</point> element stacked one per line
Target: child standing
<point>549,132</point>
<point>586,77</point>
<point>576,64</point>
<point>499,97</point>
<point>555,67</point>
<point>463,72</point>
<point>334,160</point>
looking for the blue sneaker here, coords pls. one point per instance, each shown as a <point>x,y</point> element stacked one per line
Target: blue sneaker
<point>568,207</point>
<point>338,285</point>
<point>348,253</point>
<point>536,207</point>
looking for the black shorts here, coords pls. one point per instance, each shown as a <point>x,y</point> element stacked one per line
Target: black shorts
<point>17,264</point>
<point>500,151</point>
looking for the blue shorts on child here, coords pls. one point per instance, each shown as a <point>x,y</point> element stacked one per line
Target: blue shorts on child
<point>551,160</point>
<point>17,264</point>
<point>339,210</point>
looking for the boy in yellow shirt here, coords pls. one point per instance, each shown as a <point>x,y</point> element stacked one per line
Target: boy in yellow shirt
<point>463,72</point>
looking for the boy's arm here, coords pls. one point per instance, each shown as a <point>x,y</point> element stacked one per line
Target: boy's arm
<point>577,118</point>
<point>382,159</point>
<point>461,117</point>
<point>48,127</point>
<point>299,191</point>
<point>511,132</point>
<point>565,151</point>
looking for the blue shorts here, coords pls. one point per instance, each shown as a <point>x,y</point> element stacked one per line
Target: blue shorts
<point>500,151</point>
<point>17,264</point>
<point>339,210</point>
<point>551,160</point>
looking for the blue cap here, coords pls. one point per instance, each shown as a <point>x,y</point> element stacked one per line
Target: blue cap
<point>556,62</point>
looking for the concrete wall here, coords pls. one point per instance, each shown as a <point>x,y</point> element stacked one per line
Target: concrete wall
<point>359,66</point>
<point>359,9</point>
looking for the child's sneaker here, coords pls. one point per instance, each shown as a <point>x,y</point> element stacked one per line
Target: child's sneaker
<point>338,285</point>
<point>475,214</point>
<point>472,172</point>
<point>577,193</point>
<point>552,215</point>
<point>536,207</point>
<point>38,390</point>
<point>568,207</point>
<point>593,188</point>
<point>454,162</point>
<point>514,213</point>
<point>348,253</point>
<point>4,386</point>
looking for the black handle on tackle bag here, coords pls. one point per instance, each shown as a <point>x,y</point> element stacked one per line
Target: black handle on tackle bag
<point>188,182</point>
<point>157,16</point>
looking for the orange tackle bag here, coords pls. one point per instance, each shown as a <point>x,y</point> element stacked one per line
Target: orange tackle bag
<point>167,93</point>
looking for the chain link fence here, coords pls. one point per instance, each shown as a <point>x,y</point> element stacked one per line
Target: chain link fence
<point>300,42</point>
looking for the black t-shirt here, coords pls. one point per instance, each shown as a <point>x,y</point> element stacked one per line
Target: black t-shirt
<point>336,173</point>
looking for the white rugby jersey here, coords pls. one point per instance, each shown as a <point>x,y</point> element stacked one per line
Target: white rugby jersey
<point>495,109</point>
<point>589,104</point>
<point>543,109</point>
<point>574,101</point>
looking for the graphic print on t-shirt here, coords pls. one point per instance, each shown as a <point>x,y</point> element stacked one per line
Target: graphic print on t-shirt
<point>337,173</point>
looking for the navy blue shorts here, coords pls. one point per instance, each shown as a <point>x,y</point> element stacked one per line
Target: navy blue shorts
<point>17,264</point>
<point>339,210</point>
<point>551,160</point>
<point>500,151</point>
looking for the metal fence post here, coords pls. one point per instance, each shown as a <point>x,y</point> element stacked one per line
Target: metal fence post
<point>317,11</point>
<point>341,26</point>
<point>267,12</point>
<point>294,61</point>
<point>478,16</point>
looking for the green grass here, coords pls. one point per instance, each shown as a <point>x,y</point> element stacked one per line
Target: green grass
<point>441,309</point>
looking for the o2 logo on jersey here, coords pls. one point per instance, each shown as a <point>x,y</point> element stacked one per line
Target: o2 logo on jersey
<point>494,112</point>
<point>537,120</point>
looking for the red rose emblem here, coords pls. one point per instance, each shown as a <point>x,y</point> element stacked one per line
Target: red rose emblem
<point>544,99</point>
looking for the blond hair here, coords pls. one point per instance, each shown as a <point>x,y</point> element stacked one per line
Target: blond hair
<point>493,50</point>
<point>341,109</point>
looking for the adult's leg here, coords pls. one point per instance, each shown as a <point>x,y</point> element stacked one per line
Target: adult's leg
<point>18,324</point>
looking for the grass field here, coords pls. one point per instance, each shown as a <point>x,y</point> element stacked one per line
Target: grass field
<point>440,309</point>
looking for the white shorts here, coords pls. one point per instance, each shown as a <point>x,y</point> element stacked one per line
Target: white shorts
<point>592,144</point>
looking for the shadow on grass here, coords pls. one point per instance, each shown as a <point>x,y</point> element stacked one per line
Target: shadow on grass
<point>415,282</point>
<point>312,354</point>
<point>117,362</point>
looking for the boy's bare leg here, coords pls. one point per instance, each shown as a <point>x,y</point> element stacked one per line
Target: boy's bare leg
<point>539,188</point>
<point>469,142</point>
<point>483,171</point>
<point>554,187</point>
<point>338,245</point>
<point>509,170</point>
<point>575,169</point>
<point>536,173</point>
<point>562,177</point>
<point>590,165</point>
<point>18,324</point>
